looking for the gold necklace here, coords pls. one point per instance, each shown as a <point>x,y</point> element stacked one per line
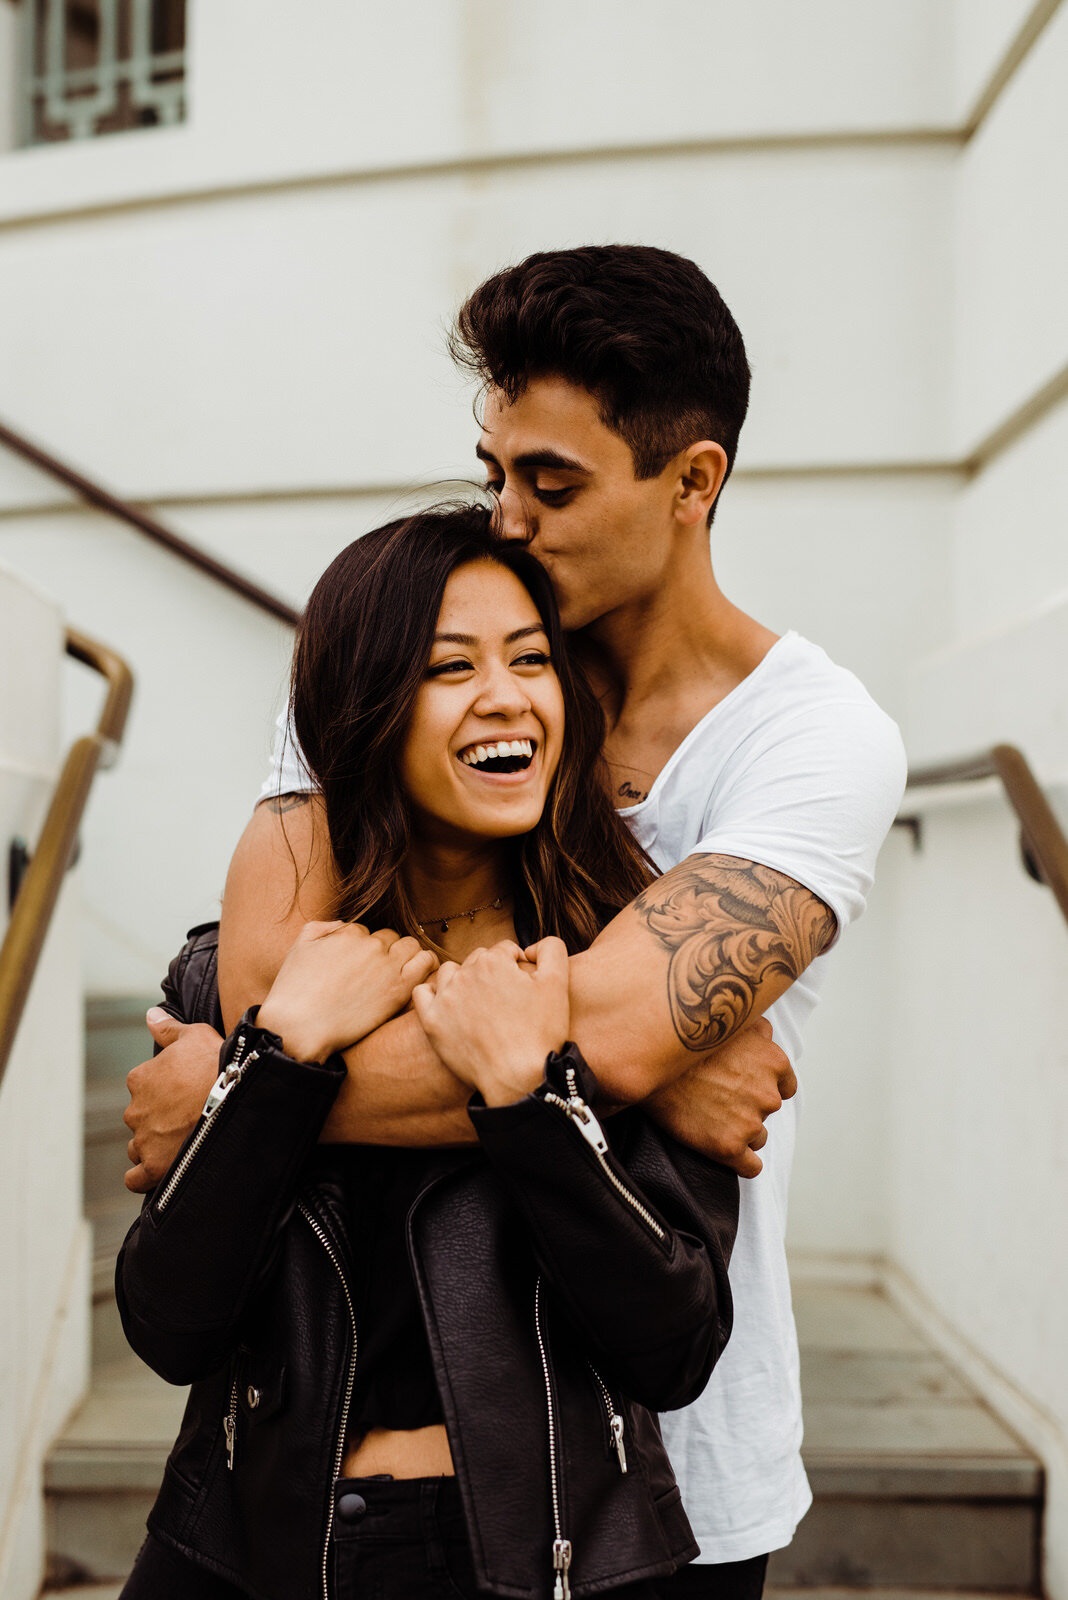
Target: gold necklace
<point>443,922</point>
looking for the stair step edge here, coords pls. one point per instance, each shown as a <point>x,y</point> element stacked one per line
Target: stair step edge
<point>945,1478</point>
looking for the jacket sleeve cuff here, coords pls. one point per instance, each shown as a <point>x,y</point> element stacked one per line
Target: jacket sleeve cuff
<point>492,1120</point>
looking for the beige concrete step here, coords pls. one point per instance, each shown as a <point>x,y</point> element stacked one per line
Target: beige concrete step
<point>83,1591</point>
<point>104,1470</point>
<point>916,1482</point>
<point>774,1592</point>
<point>106,1137</point>
<point>116,1037</point>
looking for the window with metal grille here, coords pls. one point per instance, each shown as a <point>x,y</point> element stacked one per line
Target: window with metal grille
<point>100,66</point>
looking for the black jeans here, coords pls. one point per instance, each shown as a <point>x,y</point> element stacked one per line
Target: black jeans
<point>725,1580</point>
<point>405,1540</point>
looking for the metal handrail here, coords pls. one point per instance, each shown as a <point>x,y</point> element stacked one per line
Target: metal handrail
<point>39,890</point>
<point>110,503</point>
<point>1044,843</point>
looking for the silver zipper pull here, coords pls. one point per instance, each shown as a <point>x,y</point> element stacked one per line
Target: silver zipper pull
<point>224,1083</point>
<point>615,1422</point>
<point>561,1566</point>
<point>230,1430</point>
<point>588,1126</point>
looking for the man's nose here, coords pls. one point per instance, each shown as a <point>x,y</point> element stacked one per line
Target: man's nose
<point>516,525</point>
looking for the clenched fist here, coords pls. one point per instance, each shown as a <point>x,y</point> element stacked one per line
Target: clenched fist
<point>338,983</point>
<point>494,1020</point>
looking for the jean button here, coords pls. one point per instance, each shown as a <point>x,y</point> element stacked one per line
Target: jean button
<point>352,1507</point>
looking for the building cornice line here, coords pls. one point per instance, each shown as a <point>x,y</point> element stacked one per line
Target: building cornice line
<point>1001,438</point>
<point>221,498</point>
<point>477,166</point>
<point>1024,41</point>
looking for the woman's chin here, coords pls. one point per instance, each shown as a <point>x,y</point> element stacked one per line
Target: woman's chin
<point>500,818</point>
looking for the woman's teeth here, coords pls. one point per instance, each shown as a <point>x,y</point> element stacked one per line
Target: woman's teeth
<point>510,750</point>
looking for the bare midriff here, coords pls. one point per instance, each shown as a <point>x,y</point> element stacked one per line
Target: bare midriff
<point>403,1453</point>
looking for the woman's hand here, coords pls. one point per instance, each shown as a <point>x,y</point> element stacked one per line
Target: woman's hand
<point>494,1020</point>
<point>338,983</point>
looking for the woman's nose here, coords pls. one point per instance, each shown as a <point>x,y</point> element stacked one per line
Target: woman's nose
<point>502,694</point>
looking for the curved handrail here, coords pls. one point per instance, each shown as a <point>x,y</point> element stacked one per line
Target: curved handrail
<point>39,890</point>
<point>1044,843</point>
<point>104,500</point>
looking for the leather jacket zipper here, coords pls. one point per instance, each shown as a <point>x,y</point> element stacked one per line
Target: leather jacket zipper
<point>339,1454</point>
<point>615,1419</point>
<point>561,1546</point>
<point>230,1425</point>
<point>576,1109</point>
<point>221,1089</point>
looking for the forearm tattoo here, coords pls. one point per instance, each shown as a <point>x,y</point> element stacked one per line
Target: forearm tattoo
<point>731,926</point>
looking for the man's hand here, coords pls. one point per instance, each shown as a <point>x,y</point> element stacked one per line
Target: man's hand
<point>167,1095</point>
<point>720,1105</point>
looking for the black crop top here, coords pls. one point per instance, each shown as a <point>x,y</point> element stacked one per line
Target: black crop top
<point>394,1385</point>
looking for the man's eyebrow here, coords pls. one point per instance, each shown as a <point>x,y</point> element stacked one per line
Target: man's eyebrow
<point>552,460</point>
<point>471,641</point>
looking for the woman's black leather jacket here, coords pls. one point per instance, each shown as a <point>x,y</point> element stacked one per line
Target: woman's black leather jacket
<point>573,1283</point>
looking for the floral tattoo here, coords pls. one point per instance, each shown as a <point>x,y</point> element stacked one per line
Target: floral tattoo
<point>731,926</point>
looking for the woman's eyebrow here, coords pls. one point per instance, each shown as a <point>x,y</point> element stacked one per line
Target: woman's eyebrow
<point>472,641</point>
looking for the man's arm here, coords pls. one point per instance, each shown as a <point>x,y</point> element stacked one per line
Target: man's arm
<point>699,955</point>
<point>674,977</point>
<point>694,960</point>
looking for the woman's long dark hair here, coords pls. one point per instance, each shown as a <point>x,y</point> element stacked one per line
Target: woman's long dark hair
<point>360,661</point>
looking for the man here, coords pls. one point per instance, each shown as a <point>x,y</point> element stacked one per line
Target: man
<point>757,774</point>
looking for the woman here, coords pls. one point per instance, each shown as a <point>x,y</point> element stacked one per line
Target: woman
<point>432,1372</point>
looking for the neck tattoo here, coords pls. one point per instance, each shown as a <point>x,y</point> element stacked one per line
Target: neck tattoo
<point>455,916</point>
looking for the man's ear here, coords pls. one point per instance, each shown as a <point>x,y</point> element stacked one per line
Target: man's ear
<point>703,468</point>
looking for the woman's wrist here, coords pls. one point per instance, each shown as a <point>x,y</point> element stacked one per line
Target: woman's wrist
<point>509,1082</point>
<point>300,1039</point>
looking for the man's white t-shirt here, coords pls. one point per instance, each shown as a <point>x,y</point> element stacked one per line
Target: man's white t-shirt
<point>798,769</point>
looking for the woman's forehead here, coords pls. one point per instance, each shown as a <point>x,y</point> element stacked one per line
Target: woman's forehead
<point>486,600</point>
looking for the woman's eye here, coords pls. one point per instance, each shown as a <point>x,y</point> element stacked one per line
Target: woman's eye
<point>440,668</point>
<point>534,658</point>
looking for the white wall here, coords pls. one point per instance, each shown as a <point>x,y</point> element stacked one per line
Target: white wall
<point>44,1255</point>
<point>979,1157</point>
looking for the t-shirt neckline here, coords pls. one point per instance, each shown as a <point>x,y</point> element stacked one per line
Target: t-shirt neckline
<point>710,715</point>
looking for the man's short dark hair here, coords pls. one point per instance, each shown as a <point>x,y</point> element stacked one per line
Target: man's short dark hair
<point>643,330</point>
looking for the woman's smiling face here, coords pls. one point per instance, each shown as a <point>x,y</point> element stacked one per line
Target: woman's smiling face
<point>489,684</point>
